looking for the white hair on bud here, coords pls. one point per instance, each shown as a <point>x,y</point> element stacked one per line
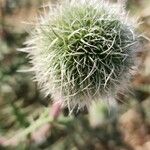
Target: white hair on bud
<point>82,51</point>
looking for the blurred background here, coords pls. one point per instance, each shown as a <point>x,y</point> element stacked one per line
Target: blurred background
<point>21,103</point>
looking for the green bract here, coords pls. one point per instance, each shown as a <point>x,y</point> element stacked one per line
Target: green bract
<point>82,50</point>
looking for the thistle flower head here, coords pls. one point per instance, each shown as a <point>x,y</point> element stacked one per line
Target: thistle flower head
<point>82,50</point>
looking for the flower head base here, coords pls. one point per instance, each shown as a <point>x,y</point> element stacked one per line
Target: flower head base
<point>82,50</point>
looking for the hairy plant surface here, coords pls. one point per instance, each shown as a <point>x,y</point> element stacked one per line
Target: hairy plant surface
<point>82,50</point>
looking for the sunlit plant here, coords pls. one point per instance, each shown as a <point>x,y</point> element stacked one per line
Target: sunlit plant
<point>82,51</point>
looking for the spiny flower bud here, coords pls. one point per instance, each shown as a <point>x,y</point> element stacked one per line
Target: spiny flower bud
<point>82,51</point>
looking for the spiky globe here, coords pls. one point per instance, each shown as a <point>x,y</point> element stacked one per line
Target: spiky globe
<point>82,50</point>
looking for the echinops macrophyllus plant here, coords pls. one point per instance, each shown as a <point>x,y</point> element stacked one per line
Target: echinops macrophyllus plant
<point>82,50</point>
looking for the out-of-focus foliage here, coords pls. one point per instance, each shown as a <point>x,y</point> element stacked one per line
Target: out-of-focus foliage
<point>26,124</point>
<point>17,91</point>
